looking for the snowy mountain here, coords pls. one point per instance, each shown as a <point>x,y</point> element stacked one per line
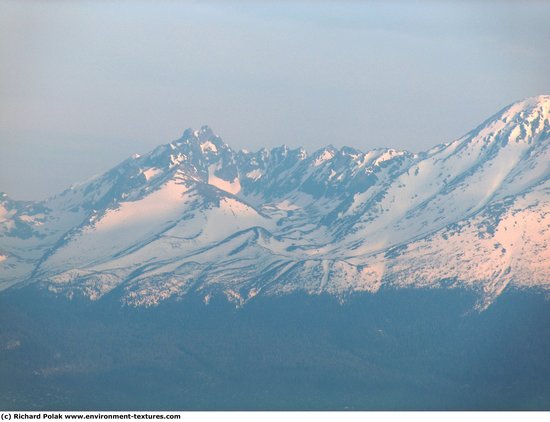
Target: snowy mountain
<point>195,216</point>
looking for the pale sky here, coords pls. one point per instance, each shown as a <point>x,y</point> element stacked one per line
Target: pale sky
<point>83,85</point>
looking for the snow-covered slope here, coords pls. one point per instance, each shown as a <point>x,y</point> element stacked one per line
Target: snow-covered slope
<point>196,216</point>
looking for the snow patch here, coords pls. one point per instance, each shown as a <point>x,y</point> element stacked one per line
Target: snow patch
<point>388,155</point>
<point>151,173</point>
<point>286,205</point>
<point>325,156</point>
<point>208,146</point>
<point>233,187</point>
<point>254,174</point>
<point>4,214</point>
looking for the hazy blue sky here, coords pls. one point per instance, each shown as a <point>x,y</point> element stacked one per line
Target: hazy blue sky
<point>83,85</point>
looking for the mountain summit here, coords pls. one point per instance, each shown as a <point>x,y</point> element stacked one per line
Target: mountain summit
<point>196,216</point>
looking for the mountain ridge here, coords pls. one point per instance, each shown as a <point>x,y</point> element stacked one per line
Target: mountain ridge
<point>196,215</point>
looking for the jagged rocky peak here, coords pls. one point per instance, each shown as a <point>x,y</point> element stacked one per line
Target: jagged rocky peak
<point>350,151</point>
<point>324,154</point>
<point>528,110</point>
<point>522,121</point>
<point>204,139</point>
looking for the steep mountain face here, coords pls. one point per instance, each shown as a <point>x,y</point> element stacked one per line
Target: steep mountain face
<point>197,216</point>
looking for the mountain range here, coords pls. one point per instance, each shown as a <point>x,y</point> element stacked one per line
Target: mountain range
<point>196,216</point>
